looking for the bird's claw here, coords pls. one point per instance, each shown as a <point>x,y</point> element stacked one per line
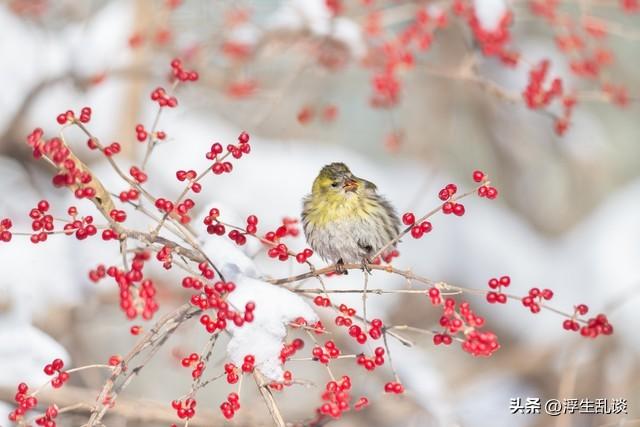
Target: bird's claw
<point>340,267</point>
<point>365,266</point>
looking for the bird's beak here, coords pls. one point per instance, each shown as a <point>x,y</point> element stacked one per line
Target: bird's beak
<point>350,184</point>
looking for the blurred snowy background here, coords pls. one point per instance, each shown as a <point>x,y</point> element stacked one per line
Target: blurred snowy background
<point>568,215</point>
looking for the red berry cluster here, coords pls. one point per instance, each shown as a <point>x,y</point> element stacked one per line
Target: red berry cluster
<point>279,386</point>
<point>109,234</point>
<point>98,273</point>
<point>219,167</point>
<point>160,96</point>
<point>307,113</point>
<point>238,150</point>
<point>562,123</point>
<point>322,355</point>
<point>535,95</point>
<point>399,53</point>
<point>336,397</point>
<point>418,230</point>
<point>69,117</point>
<point>54,368</point>
<point>42,223</point>
<point>389,256</point>
<point>5,226</point>
<point>321,301</point>
<point>303,256</point>
<point>571,324</point>
<point>279,251</point>
<point>82,227</point>
<point>346,310</point>
<point>165,257</point>
<point>238,237</point>
<point>213,224</point>
<point>141,133</point>
<point>434,296</point>
<point>112,149</point>
<point>375,332</point>
<point>370,363</point>
<point>454,321</point>
<point>24,401</point>
<point>386,89</point>
<point>232,373</point>
<point>192,283</point>
<point>595,326</point>
<point>182,210</point>
<point>191,360</point>
<point>48,418</point>
<point>444,339</point>
<point>358,334</point>
<point>361,403</point>
<point>131,302</point>
<point>184,410</point>
<point>164,205</point>
<point>85,114</point>
<point>450,206</point>
<point>248,363</point>
<point>454,208</point>
<point>461,319</point>
<point>182,74</point>
<point>230,407</point>
<point>213,298</point>
<point>485,190</point>
<point>498,297</point>
<point>215,150</point>
<point>289,227</point>
<point>393,387</point>
<point>341,320</point>
<point>69,174</point>
<point>138,175</point>
<point>118,215</point>
<point>190,176</point>
<point>288,350</point>
<point>488,192</point>
<point>66,117</point>
<point>482,344</point>
<point>209,273</point>
<point>129,195</point>
<point>535,298</point>
<point>447,192</point>
<point>493,41</point>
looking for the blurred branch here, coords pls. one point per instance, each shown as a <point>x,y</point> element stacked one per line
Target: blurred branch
<point>13,131</point>
<point>268,398</point>
<point>80,400</point>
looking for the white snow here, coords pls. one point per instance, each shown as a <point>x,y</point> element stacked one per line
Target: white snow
<point>490,13</point>
<point>313,15</point>
<point>263,338</point>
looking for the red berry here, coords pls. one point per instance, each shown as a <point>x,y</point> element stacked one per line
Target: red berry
<point>408,218</point>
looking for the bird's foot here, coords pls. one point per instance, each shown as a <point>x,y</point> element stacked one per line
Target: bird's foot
<point>340,267</point>
<point>365,266</point>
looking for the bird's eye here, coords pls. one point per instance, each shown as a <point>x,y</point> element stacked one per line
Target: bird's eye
<point>334,184</point>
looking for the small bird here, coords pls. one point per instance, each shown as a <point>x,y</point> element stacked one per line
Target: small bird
<point>345,220</point>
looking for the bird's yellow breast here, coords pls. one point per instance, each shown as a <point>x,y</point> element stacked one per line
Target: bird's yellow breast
<point>336,207</point>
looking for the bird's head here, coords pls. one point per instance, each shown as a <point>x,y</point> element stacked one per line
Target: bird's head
<point>336,179</point>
